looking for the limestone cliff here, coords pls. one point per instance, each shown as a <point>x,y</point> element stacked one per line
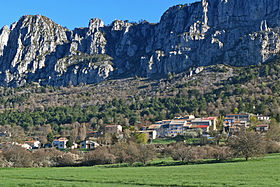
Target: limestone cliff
<point>235,32</point>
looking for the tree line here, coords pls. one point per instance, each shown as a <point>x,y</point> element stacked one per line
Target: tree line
<point>242,145</point>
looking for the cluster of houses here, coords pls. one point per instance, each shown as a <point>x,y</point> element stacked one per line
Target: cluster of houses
<point>232,123</point>
<point>236,122</point>
<point>61,143</point>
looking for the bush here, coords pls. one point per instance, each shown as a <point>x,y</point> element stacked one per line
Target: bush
<point>120,151</point>
<point>272,147</point>
<point>66,159</point>
<point>183,153</point>
<point>3,162</point>
<point>41,158</point>
<point>222,153</point>
<point>99,156</point>
<point>18,157</point>
<point>132,152</point>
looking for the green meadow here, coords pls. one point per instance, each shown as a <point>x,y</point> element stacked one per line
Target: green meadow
<point>257,172</point>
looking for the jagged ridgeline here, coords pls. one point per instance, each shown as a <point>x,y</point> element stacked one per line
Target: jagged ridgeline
<point>235,32</point>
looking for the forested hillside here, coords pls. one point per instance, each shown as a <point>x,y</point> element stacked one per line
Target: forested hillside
<point>215,91</point>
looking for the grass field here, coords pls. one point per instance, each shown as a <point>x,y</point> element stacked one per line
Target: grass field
<point>261,172</point>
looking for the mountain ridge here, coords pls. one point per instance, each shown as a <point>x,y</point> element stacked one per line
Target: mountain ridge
<point>234,32</point>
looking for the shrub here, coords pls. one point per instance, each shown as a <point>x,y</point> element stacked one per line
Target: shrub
<point>184,153</point>
<point>3,161</point>
<point>41,158</point>
<point>132,152</point>
<point>120,152</point>
<point>272,147</point>
<point>222,153</point>
<point>18,156</point>
<point>66,159</point>
<point>99,156</point>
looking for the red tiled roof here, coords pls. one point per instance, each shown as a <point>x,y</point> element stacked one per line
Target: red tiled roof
<point>61,139</point>
<point>203,126</point>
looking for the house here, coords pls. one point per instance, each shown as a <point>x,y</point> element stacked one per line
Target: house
<point>164,131</point>
<point>156,128</point>
<point>60,143</point>
<point>203,128</point>
<point>176,127</point>
<point>171,128</point>
<point>262,128</point>
<point>88,144</point>
<point>113,129</point>
<point>203,124</point>
<point>213,120</point>
<point>25,146</point>
<point>239,117</point>
<point>33,143</point>
<point>152,133</point>
<point>199,121</point>
<point>74,146</point>
<point>236,122</point>
<point>263,118</point>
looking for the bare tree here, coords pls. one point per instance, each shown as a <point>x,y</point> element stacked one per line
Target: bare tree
<point>183,153</point>
<point>146,153</point>
<point>273,133</point>
<point>222,153</point>
<point>82,132</point>
<point>75,131</point>
<point>247,144</point>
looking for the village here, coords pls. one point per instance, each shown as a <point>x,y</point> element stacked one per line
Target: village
<point>186,126</point>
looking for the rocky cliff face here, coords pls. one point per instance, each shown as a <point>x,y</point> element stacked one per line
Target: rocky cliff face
<point>234,32</point>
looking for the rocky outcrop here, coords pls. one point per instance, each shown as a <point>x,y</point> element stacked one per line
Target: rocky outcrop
<point>234,32</point>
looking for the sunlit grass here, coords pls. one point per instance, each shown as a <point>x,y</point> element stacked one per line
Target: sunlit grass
<point>258,172</point>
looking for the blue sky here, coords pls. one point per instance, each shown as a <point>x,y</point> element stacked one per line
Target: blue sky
<point>73,13</point>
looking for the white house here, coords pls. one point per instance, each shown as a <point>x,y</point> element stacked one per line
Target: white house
<point>88,144</point>
<point>25,146</point>
<point>213,122</point>
<point>263,118</point>
<point>60,143</point>
<point>33,143</point>
<point>156,128</point>
<point>74,146</point>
